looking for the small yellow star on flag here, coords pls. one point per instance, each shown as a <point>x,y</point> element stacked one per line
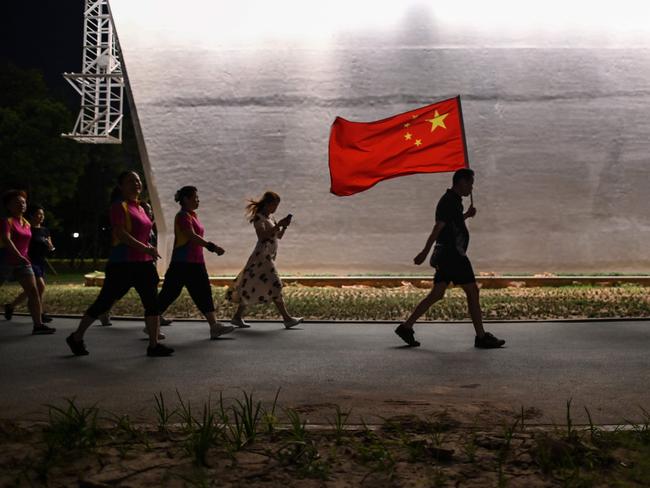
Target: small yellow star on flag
<point>407,125</point>
<point>418,142</point>
<point>408,136</point>
<point>437,121</point>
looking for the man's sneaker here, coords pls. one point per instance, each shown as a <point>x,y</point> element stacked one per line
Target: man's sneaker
<point>78,348</point>
<point>488,341</point>
<point>9,311</point>
<point>165,322</point>
<point>43,330</point>
<point>292,322</point>
<point>45,318</point>
<point>220,329</point>
<point>407,335</point>
<point>161,336</point>
<point>159,351</point>
<point>239,323</point>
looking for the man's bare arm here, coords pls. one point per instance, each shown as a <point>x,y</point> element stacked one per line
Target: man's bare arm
<point>419,259</point>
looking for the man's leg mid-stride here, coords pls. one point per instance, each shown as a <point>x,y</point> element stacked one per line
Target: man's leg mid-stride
<point>405,329</point>
<point>483,340</point>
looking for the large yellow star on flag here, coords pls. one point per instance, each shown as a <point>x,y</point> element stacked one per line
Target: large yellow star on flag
<point>437,121</point>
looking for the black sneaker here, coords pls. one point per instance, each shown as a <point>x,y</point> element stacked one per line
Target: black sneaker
<point>43,330</point>
<point>45,318</point>
<point>165,322</point>
<point>9,311</point>
<point>78,348</point>
<point>159,351</point>
<point>407,335</point>
<point>105,320</point>
<point>488,341</point>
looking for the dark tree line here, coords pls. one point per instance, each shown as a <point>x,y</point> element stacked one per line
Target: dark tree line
<point>72,181</point>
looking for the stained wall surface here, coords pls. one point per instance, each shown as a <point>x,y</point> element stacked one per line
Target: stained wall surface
<point>239,99</point>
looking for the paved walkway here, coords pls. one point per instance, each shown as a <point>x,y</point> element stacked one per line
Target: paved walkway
<point>602,365</point>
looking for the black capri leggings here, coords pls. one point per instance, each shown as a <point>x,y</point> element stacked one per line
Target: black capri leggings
<point>194,277</point>
<point>120,277</point>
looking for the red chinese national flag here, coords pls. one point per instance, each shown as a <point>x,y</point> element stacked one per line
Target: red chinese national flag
<point>430,139</point>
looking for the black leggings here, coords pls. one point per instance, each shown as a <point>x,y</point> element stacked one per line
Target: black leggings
<point>195,278</point>
<point>120,277</point>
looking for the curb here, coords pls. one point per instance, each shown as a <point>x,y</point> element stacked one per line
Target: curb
<point>93,279</point>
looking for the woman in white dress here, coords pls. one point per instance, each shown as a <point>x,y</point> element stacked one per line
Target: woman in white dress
<point>259,281</point>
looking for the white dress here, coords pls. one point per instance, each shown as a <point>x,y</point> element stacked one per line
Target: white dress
<point>259,281</point>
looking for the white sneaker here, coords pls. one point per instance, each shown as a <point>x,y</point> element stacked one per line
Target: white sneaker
<point>293,322</point>
<point>239,323</point>
<point>161,336</point>
<point>220,329</point>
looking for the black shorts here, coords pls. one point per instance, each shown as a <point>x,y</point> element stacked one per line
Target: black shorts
<point>192,276</point>
<point>119,279</point>
<point>39,270</point>
<point>454,269</point>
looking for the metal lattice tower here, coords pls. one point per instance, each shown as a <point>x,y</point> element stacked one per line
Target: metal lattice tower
<point>101,82</point>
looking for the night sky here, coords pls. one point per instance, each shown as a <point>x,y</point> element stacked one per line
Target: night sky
<point>46,35</point>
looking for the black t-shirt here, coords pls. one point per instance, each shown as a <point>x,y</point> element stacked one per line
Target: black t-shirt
<point>454,237</point>
<point>38,246</point>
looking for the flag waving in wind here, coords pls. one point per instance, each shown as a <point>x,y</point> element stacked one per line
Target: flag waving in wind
<point>430,139</point>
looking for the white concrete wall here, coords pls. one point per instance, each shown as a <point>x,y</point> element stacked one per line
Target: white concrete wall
<point>239,99</point>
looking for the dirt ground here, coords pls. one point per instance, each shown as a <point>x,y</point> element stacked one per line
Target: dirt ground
<point>258,447</point>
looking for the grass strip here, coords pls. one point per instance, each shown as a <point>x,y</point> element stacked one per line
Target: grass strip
<point>367,303</point>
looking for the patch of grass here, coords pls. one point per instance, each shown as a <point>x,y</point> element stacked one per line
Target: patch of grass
<point>124,426</point>
<point>269,418</point>
<point>248,412</point>
<point>367,303</point>
<point>163,413</point>
<point>298,430</point>
<point>204,434</point>
<point>71,427</point>
<point>300,451</point>
<point>569,456</point>
<point>373,452</point>
<point>339,422</point>
<point>184,412</point>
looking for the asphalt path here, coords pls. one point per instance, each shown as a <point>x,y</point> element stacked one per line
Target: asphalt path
<point>604,366</point>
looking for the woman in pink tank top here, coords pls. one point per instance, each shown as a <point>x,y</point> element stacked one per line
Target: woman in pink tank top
<point>131,264</point>
<point>15,235</point>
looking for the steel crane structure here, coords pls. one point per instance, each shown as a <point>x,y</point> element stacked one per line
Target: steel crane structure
<point>101,82</point>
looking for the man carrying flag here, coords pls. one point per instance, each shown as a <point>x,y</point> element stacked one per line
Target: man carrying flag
<point>450,260</point>
<point>430,139</point>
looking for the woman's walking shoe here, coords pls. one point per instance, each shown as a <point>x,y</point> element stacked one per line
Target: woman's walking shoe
<point>407,335</point>
<point>292,322</point>
<point>43,330</point>
<point>488,341</point>
<point>239,323</point>
<point>9,311</point>
<point>159,351</point>
<point>78,348</point>
<point>45,318</point>
<point>165,322</point>
<point>220,329</point>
